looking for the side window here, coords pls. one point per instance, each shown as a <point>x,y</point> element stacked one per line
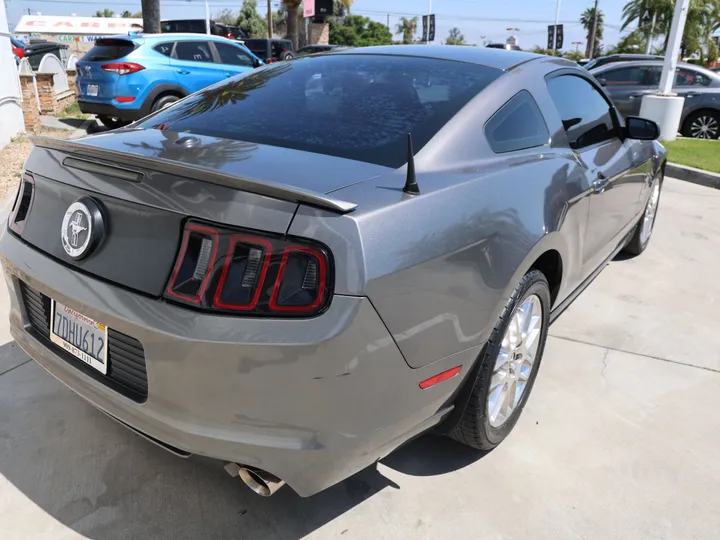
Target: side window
<point>517,125</point>
<point>628,76</point>
<point>688,77</point>
<point>164,48</point>
<point>585,114</point>
<point>233,55</point>
<point>193,51</point>
<point>278,48</point>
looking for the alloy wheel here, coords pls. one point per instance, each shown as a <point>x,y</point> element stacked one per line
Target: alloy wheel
<point>705,127</point>
<point>650,213</point>
<point>514,364</point>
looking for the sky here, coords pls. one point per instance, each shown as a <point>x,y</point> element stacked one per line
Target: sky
<point>478,20</point>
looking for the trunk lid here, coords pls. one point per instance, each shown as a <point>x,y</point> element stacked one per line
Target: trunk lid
<point>144,208</point>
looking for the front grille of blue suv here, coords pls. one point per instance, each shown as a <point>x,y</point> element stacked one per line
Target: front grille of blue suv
<point>124,78</point>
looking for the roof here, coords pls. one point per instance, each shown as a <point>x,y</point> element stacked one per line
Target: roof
<point>173,35</point>
<point>641,63</point>
<point>494,58</point>
<point>93,26</point>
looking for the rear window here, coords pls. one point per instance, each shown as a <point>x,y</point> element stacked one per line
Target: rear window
<point>196,26</point>
<point>352,106</point>
<point>109,49</point>
<point>256,45</point>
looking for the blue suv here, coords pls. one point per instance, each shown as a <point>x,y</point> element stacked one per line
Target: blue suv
<point>122,79</point>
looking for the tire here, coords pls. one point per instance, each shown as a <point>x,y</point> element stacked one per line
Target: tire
<point>112,122</point>
<point>641,237</point>
<point>702,125</point>
<point>288,56</point>
<point>478,427</point>
<point>164,101</point>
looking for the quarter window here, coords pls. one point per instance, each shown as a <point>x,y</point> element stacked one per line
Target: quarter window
<point>233,55</point>
<point>517,125</point>
<point>193,51</point>
<point>586,115</point>
<point>164,48</point>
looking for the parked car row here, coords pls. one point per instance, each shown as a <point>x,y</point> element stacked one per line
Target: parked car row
<point>627,81</point>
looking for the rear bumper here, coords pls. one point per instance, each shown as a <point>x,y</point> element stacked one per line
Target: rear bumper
<point>106,109</point>
<point>311,401</point>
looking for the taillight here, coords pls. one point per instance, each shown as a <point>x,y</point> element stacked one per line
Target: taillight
<point>223,270</point>
<point>23,203</point>
<point>122,68</point>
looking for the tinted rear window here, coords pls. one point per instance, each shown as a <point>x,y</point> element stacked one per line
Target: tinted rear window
<point>353,106</point>
<point>256,45</point>
<point>109,49</point>
<point>196,26</point>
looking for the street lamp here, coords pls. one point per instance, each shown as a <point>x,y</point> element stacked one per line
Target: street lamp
<point>577,45</point>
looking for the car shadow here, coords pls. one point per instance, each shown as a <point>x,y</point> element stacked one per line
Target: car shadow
<point>92,475</point>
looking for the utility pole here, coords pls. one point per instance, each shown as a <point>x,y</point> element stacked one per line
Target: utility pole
<point>557,21</point>
<point>594,29</point>
<point>650,35</point>
<point>269,19</point>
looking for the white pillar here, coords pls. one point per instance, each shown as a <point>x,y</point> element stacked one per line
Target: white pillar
<point>666,108</point>
<point>673,48</point>
<point>11,116</point>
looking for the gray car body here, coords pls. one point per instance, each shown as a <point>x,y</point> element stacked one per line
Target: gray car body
<point>628,98</point>
<point>420,281</point>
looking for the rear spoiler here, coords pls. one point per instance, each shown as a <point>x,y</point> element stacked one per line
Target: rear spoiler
<point>113,158</point>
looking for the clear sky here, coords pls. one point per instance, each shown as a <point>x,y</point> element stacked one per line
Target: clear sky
<point>474,18</point>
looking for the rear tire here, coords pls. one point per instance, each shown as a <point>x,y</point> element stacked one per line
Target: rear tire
<point>644,229</point>
<point>702,125</point>
<point>164,101</point>
<point>503,366</point>
<point>112,122</point>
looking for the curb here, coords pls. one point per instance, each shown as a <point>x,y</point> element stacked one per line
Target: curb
<point>693,175</point>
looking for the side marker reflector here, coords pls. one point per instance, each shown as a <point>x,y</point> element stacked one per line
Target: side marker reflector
<point>440,377</point>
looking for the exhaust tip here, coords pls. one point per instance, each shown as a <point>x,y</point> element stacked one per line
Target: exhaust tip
<point>261,482</point>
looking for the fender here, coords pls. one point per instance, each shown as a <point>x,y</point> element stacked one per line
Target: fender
<point>161,89</point>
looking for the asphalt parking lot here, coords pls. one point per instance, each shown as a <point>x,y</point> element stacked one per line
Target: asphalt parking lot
<point>619,440</point>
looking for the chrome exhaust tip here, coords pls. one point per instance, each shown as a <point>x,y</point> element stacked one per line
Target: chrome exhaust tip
<point>261,482</point>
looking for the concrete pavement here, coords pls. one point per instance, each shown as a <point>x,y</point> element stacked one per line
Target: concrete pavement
<point>619,440</point>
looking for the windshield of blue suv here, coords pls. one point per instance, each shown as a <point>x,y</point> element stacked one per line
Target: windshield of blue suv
<point>356,106</point>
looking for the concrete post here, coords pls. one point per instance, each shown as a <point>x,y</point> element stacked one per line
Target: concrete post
<point>11,116</point>
<point>30,110</point>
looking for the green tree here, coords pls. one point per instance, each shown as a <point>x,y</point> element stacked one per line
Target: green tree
<point>634,42</point>
<point>587,19</point>
<point>126,14</point>
<point>250,21</point>
<point>546,52</point>
<point>407,27</point>
<point>455,37</point>
<point>137,15</point>
<point>105,13</point>
<point>226,16</point>
<point>357,31</point>
<point>575,56</point>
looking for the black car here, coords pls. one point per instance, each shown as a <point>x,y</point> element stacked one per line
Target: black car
<point>271,50</point>
<point>197,26</point>
<point>602,60</point>
<point>37,49</point>
<point>313,49</point>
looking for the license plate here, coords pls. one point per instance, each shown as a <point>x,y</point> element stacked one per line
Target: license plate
<point>79,335</point>
<point>92,90</point>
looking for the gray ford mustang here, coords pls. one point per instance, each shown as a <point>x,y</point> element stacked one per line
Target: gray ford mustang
<point>300,269</point>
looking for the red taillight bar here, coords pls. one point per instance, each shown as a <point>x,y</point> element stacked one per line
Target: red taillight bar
<point>440,377</point>
<point>321,281</point>
<point>234,240</point>
<point>122,68</point>
<point>193,227</point>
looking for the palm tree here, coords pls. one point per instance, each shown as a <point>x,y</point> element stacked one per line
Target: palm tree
<point>407,28</point>
<point>587,19</point>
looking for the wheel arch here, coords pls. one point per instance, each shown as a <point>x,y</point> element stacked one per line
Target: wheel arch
<point>162,90</point>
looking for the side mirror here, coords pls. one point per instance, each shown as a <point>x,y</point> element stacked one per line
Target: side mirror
<point>641,129</point>
<point>256,62</point>
<point>603,82</point>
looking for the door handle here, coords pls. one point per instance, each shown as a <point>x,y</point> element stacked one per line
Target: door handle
<point>691,95</point>
<point>183,72</point>
<point>229,74</point>
<point>633,96</point>
<point>600,183</point>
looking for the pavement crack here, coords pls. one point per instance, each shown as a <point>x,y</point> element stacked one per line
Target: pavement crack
<point>15,367</point>
<point>608,349</point>
<point>605,364</point>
